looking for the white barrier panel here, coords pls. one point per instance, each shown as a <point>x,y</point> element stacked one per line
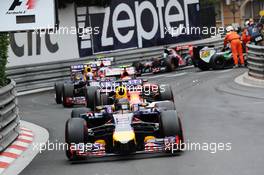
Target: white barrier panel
<point>30,48</point>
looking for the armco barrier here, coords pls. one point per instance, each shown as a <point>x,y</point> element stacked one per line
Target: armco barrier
<point>44,75</point>
<point>9,119</point>
<point>256,61</point>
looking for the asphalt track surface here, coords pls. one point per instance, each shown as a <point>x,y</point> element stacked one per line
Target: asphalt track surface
<point>214,108</point>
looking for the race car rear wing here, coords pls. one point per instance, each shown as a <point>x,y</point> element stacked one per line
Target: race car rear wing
<point>77,68</point>
<point>113,72</point>
<point>105,61</point>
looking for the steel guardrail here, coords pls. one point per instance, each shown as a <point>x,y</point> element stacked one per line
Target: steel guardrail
<point>255,61</point>
<point>38,76</point>
<point>9,118</point>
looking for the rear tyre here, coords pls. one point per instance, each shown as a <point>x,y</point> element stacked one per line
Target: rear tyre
<point>91,94</point>
<point>203,66</point>
<point>168,66</point>
<point>102,99</point>
<point>68,92</point>
<point>58,91</point>
<point>75,133</point>
<point>188,60</point>
<point>174,62</point>
<point>166,93</point>
<point>138,66</point>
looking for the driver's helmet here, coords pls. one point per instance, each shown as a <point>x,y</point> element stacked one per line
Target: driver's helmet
<point>122,104</point>
<point>88,69</point>
<point>121,92</point>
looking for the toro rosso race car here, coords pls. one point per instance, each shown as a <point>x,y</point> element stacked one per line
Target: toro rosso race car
<point>171,59</point>
<point>128,125</point>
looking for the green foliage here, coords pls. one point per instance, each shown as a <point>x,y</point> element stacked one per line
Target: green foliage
<point>4,42</point>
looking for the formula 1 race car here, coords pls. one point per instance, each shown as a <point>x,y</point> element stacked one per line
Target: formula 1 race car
<point>171,59</point>
<point>130,125</point>
<point>207,58</point>
<point>73,91</point>
<point>105,93</point>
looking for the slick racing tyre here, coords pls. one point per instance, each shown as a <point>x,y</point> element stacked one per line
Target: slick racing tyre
<point>168,65</point>
<point>166,93</point>
<point>77,112</point>
<point>102,99</point>
<point>217,62</point>
<point>203,66</point>
<point>91,95</point>
<point>171,125</point>
<point>76,132</point>
<point>174,62</point>
<point>138,66</point>
<point>67,92</point>
<point>188,60</point>
<point>58,91</point>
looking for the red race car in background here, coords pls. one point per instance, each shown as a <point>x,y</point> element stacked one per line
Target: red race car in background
<point>171,59</point>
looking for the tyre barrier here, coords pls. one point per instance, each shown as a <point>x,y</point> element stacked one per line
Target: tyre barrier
<point>255,61</point>
<point>39,76</point>
<point>9,118</point>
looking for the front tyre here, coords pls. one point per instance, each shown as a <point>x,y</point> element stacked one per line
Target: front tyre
<point>217,62</point>
<point>58,92</point>
<point>165,93</point>
<point>76,132</point>
<point>170,125</point>
<point>68,93</point>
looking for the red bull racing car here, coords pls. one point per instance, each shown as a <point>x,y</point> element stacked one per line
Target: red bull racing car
<point>72,92</point>
<point>127,125</point>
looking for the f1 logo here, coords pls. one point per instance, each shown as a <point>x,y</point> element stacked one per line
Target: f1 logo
<point>30,4</point>
<point>15,4</point>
